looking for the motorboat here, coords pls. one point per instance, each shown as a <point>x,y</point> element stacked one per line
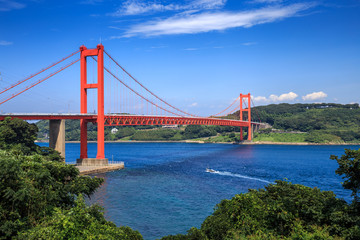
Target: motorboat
<point>209,170</point>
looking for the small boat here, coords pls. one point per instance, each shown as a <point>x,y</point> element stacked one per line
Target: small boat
<point>209,170</point>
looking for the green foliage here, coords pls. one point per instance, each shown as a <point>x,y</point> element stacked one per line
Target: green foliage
<point>279,137</point>
<point>322,137</point>
<point>154,135</point>
<point>40,193</point>
<point>31,187</point>
<point>224,137</point>
<point>193,234</point>
<point>18,135</point>
<point>79,222</point>
<point>280,211</point>
<point>349,169</point>
<point>124,132</point>
<point>197,131</point>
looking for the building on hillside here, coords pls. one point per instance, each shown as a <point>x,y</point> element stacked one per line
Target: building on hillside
<point>114,130</point>
<point>171,126</point>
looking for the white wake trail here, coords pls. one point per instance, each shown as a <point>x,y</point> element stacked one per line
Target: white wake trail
<point>238,175</point>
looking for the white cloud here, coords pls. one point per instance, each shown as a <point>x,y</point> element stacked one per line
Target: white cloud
<point>283,97</point>
<point>135,7</point>
<point>314,96</point>
<point>259,99</point>
<point>208,4</point>
<point>291,96</point>
<point>193,104</point>
<point>8,5</point>
<point>191,49</point>
<point>5,43</point>
<point>206,22</point>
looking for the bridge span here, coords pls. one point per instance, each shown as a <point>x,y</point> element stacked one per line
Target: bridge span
<point>155,110</point>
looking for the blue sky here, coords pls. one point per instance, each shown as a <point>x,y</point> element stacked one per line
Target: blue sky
<point>196,54</point>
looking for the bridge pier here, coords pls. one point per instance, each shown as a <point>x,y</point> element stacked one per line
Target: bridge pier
<point>57,135</point>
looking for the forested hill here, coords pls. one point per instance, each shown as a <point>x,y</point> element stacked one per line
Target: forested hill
<point>330,121</point>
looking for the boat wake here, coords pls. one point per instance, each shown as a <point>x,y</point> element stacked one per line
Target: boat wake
<point>223,173</point>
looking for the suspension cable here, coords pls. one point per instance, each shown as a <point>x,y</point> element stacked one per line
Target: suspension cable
<point>147,88</point>
<point>138,93</point>
<point>227,107</point>
<point>230,112</point>
<point>42,70</point>
<point>40,81</point>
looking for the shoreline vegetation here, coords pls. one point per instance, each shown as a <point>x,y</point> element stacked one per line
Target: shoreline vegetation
<point>42,198</point>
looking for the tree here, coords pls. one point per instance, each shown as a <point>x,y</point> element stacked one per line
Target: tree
<point>18,135</point>
<point>31,187</point>
<point>80,222</point>
<point>349,169</point>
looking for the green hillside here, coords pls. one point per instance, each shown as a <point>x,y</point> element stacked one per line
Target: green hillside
<point>325,122</point>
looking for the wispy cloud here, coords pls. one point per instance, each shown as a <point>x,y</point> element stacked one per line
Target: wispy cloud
<point>214,21</point>
<point>191,49</point>
<point>314,96</point>
<point>266,1</point>
<point>5,43</point>
<point>193,104</point>
<point>136,7</point>
<point>91,2</point>
<point>162,46</point>
<point>248,43</point>
<point>8,5</point>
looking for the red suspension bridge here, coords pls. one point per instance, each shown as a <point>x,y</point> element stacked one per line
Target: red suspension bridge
<point>128,102</point>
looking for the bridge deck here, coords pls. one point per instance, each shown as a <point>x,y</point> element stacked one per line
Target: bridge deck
<point>48,116</point>
<point>127,120</point>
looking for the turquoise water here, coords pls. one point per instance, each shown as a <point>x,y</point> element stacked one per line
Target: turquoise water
<point>165,189</point>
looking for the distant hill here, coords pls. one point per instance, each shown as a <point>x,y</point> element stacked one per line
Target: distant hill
<point>323,122</point>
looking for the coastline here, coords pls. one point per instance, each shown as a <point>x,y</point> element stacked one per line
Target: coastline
<point>239,143</point>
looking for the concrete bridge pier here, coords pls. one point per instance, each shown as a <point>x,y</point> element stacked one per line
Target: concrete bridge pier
<point>57,135</point>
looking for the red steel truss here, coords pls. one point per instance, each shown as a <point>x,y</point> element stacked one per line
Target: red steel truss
<point>130,120</point>
<point>126,120</point>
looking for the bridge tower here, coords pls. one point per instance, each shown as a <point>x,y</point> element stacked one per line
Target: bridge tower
<point>248,110</point>
<point>84,86</point>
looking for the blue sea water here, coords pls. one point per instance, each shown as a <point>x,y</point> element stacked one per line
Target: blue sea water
<point>166,190</point>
